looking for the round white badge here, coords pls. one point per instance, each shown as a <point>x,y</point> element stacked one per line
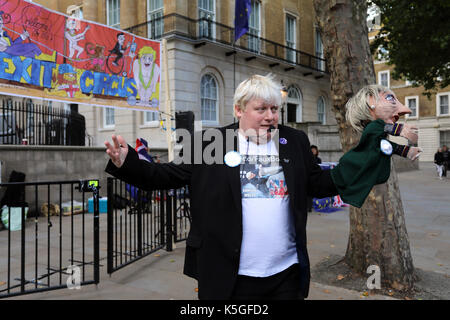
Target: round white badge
<point>232,159</point>
<point>386,147</point>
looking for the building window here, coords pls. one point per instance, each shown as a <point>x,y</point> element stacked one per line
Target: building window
<point>209,99</point>
<point>254,27</point>
<point>108,118</point>
<point>444,138</point>
<point>294,105</point>
<point>413,104</point>
<point>155,13</point>
<point>113,13</point>
<point>150,117</point>
<point>442,103</point>
<point>207,16</point>
<point>320,64</point>
<point>290,39</point>
<point>383,78</point>
<point>321,115</point>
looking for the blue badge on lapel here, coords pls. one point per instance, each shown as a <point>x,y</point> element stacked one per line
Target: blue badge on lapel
<point>283,141</point>
<point>232,159</point>
<point>386,147</point>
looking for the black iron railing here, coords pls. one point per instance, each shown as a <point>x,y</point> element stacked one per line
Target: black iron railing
<point>51,239</point>
<point>142,222</point>
<point>203,30</point>
<point>34,124</point>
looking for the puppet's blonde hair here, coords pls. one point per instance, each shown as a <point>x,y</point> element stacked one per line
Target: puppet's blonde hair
<point>258,87</point>
<point>358,106</point>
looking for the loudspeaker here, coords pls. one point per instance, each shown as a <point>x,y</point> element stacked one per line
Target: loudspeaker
<point>185,120</point>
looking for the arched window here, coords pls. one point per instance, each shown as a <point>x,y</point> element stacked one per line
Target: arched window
<point>294,105</point>
<point>209,99</point>
<point>321,115</point>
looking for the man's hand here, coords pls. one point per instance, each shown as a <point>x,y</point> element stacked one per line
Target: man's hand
<point>410,132</point>
<point>117,152</point>
<point>414,153</point>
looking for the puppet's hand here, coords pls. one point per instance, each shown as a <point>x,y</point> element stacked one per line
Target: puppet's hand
<point>410,132</point>
<point>414,153</point>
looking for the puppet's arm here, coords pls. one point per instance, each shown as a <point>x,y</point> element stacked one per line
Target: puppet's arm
<point>402,130</point>
<point>409,152</point>
<point>367,164</point>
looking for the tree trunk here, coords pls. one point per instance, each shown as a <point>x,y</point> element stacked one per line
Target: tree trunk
<point>377,231</point>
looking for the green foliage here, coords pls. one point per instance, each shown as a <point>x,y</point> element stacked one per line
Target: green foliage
<point>416,35</point>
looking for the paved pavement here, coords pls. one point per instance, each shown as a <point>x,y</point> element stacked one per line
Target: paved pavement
<point>159,276</point>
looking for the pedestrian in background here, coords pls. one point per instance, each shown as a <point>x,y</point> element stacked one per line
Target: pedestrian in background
<point>439,162</point>
<point>315,152</point>
<point>446,161</point>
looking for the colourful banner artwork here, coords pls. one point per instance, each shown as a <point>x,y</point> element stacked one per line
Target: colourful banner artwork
<point>48,55</point>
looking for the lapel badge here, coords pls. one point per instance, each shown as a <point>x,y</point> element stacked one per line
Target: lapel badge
<point>283,141</point>
<point>232,159</point>
<point>286,160</point>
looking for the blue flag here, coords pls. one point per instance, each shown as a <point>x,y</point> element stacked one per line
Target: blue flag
<point>241,17</point>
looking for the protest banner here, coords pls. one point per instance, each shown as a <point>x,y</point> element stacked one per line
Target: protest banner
<point>49,55</point>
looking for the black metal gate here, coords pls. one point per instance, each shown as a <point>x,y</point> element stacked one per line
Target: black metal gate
<point>59,248</point>
<point>142,222</point>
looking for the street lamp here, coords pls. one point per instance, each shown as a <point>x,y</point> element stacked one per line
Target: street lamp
<point>284,94</point>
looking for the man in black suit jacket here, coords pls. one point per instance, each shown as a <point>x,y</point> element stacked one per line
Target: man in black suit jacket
<point>244,242</point>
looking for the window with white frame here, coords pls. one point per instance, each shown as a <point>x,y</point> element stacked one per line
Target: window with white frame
<point>444,138</point>
<point>442,103</point>
<point>413,104</point>
<point>113,13</point>
<point>207,14</point>
<point>209,99</point>
<point>155,13</point>
<point>254,27</point>
<point>319,51</point>
<point>290,38</point>
<point>108,118</point>
<point>150,117</point>
<point>383,78</point>
<point>294,105</point>
<point>321,115</point>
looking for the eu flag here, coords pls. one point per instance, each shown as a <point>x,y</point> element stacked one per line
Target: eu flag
<point>241,16</point>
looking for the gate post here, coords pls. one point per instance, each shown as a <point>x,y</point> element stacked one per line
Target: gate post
<point>169,220</point>
<point>110,225</point>
<point>139,222</point>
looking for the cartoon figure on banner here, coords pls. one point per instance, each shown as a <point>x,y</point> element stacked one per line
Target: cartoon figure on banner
<point>72,26</point>
<point>65,83</point>
<point>116,60</point>
<point>16,47</point>
<point>146,74</point>
<point>67,80</point>
<point>97,58</point>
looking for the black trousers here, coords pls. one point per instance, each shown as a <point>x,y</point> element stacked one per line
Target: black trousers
<point>281,286</point>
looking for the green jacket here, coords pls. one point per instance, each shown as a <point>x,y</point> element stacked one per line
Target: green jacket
<point>363,166</point>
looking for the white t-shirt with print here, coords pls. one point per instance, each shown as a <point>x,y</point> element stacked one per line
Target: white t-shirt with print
<point>268,241</point>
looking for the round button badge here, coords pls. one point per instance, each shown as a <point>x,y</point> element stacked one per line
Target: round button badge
<point>232,159</point>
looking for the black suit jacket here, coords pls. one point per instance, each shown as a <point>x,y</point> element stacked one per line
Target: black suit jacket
<point>214,241</point>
